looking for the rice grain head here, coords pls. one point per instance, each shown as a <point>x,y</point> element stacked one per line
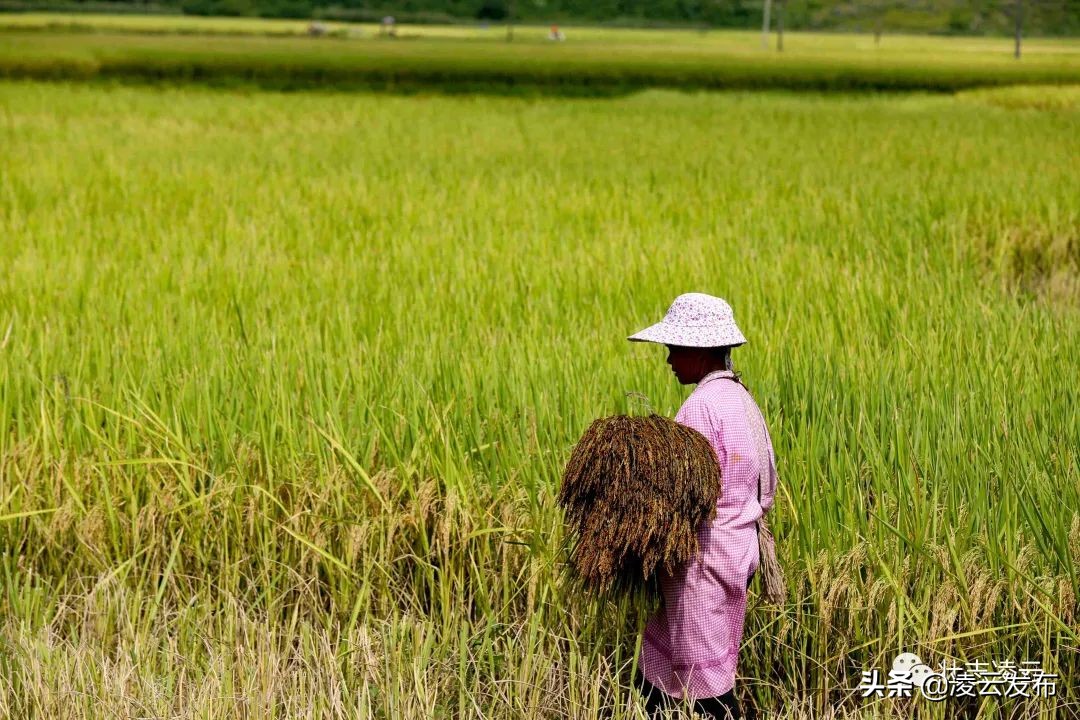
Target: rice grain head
<point>635,492</point>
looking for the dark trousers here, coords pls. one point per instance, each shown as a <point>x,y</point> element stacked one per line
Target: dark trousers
<point>721,707</point>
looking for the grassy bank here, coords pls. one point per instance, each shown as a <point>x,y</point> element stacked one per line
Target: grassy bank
<point>599,62</point>
<point>286,386</point>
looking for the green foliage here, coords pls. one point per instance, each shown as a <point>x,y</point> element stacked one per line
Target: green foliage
<point>1042,17</point>
<point>218,7</point>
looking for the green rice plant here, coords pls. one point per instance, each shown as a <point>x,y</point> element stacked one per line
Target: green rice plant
<point>287,383</point>
<point>601,63</point>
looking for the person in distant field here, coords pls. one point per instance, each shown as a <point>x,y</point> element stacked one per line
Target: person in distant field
<point>690,647</point>
<point>555,33</point>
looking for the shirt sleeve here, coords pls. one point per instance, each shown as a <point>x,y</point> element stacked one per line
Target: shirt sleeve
<point>695,414</point>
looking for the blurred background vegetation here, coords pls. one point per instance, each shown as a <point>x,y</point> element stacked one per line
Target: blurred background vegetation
<point>979,17</point>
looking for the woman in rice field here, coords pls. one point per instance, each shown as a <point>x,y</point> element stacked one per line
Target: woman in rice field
<point>690,647</point>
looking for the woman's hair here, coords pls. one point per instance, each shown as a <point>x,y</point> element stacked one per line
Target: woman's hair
<point>723,355</point>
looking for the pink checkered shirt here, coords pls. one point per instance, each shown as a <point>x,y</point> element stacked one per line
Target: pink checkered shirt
<point>692,642</point>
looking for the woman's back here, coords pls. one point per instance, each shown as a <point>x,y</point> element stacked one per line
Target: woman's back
<point>693,642</point>
<point>722,410</point>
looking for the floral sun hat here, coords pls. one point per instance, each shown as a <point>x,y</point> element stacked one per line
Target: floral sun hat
<point>694,320</point>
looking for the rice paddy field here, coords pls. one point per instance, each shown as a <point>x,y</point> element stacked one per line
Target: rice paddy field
<point>276,54</point>
<point>288,381</point>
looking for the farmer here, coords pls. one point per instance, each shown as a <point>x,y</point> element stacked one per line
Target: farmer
<point>690,648</point>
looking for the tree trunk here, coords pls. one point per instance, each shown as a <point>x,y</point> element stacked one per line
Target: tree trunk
<point>1019,27</point>
<point>780,25</point>
<point>765,25</point>
<point>510,21</point>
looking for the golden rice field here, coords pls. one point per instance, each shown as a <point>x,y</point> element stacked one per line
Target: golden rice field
<point>288,380</point>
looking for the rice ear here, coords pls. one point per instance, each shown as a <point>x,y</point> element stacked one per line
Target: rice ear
<point>772,575</point>
<point>635,491</point>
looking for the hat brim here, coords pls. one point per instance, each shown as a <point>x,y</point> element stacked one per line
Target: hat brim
<point>666,334</point>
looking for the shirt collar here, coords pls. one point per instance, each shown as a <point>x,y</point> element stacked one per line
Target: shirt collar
<point>716,374</point>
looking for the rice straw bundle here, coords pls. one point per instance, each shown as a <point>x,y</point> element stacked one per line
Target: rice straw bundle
<point>635,492</point>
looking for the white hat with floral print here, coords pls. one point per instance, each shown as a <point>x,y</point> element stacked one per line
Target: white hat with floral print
<point>694,320</point>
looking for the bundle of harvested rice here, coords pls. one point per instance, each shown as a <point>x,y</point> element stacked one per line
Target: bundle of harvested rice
<point>635,492</point>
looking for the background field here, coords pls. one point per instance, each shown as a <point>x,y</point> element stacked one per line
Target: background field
<point>287,382</point>
<point>249,52</point>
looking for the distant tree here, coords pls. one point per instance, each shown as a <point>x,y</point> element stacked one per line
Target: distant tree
<point>781,11</point>
<point>222,7</point>
<point>877,10</point>
<point>1019,26</point>
<point>765,24</point>
<point>491,10</point>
